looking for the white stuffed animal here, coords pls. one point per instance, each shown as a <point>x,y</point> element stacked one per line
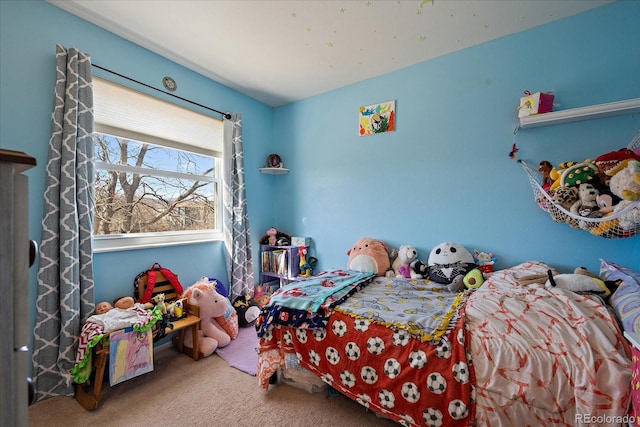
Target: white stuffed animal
<point>401,265</point>
<point>625,183</point>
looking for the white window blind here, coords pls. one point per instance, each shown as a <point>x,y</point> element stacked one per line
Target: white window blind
<point>139,116</point>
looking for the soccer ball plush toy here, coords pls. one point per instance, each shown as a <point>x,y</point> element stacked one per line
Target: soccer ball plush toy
<point>448,264</point>
<point>369,256</point>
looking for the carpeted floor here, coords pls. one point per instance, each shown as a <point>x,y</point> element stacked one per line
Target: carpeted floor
<point>206,393</point>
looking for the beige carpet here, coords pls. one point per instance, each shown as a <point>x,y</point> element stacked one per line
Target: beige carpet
<point>181,391</point>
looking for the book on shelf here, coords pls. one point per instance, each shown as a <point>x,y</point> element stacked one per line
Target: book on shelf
<point>275,261</point>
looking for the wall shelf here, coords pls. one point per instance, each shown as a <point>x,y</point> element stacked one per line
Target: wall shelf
<point>628,106</point>
<point>274,171</point>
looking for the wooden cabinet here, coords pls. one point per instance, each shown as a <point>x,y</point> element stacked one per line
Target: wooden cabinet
<point>15,257</point>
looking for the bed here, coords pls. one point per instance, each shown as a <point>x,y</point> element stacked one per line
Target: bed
<point>408,349</point>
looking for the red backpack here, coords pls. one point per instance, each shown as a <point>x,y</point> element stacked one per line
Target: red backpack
<point>156,280</point>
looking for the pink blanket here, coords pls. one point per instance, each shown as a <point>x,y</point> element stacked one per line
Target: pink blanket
<point>545,356</point>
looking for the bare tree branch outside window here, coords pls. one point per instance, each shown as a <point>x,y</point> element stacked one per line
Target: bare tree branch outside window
<point>144,188</point>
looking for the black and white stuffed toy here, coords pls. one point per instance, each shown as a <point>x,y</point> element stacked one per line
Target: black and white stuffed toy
<point>449,263</point>
<point>247,309</point>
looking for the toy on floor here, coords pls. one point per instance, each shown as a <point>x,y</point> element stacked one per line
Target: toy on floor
<point>218,318</point>
<point>246,309</point>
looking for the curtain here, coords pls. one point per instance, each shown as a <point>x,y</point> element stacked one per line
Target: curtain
<point>237,238</point>
<point>65,276</point>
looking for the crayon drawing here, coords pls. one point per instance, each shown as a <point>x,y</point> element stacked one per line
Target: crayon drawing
<point>377,118</point>
<point>131,354</point>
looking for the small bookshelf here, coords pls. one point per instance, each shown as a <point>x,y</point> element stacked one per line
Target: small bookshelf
<point>280,263</point>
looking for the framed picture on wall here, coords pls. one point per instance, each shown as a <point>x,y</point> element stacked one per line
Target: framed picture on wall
<point>377,118</point>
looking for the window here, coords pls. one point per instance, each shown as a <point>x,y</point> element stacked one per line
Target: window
<point>158,171</point>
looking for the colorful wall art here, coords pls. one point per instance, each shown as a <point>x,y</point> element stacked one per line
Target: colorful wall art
<point>377,118</point>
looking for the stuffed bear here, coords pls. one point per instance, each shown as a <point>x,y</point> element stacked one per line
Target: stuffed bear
<point>448,264</point>
<point>218,319</point>
<point>247,309</point>
<point>406,254</point>
<point>369,256</point>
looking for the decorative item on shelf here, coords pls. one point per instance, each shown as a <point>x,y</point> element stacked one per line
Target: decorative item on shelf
<point>535,103</point>
<point>605,203</point>
<point>274,161</point>
<point>591,112</point>
<point>275,237</point>
<point>305,267</point>
<point>274,165</point>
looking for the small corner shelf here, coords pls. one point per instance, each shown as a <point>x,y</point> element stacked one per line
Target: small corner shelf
<point>628,106</point>
<point>274,171</point>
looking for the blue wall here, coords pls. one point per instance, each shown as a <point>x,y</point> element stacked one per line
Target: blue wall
<point>445,173</point>
<point>30,31</point>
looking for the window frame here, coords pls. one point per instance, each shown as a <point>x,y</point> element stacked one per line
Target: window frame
<point>133,241</point>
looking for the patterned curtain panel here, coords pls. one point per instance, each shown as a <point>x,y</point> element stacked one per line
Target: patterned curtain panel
<point>237,238</point>
<point>65,278</point>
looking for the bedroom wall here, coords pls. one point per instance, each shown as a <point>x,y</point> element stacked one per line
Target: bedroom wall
<point>445,173</point>
<point>30,31</point>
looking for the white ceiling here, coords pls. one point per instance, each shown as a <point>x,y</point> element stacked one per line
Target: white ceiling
<point>280,51</point>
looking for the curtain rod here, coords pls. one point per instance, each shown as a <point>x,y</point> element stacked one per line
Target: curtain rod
<point>225,115</point>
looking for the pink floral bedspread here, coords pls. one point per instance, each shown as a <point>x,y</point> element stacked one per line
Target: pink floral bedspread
<point>544,356</point>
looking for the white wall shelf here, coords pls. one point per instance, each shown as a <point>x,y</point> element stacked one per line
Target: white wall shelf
<point>274,171</point>
<point>628,106</point>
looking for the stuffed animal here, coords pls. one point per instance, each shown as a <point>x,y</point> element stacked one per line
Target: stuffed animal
<point>247,310</point>
<point>625,180</point>
<point>448,264</point>
<point>625,183</point>
<point>564,197</point>
<point>369,255</point>
<point>581,282</point>
<point>586,204</point>
<point>406,254</point>
<point>218,318</point>
<point>272,232</point>
<point>158,300</point>
<point>473,279</point>
<point>484,261</point>
<point>419,270</point>
<point>176,309</point>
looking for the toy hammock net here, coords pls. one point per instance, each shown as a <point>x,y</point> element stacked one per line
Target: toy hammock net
<point>623,222</point>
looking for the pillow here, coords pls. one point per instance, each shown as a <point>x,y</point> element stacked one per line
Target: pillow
<point>369,256</point>
<point>625,301</point>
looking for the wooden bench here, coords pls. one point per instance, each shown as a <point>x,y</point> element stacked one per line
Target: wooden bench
<point>88,395</point>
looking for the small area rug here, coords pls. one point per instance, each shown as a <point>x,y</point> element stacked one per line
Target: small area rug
<point>242,353</point>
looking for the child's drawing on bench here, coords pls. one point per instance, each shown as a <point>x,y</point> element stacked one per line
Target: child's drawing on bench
<point>131,354</point>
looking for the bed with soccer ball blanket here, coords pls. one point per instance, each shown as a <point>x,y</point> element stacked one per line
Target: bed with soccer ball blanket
<point>511,355</point>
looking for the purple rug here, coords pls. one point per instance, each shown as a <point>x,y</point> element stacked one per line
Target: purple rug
<point>242,353</point>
